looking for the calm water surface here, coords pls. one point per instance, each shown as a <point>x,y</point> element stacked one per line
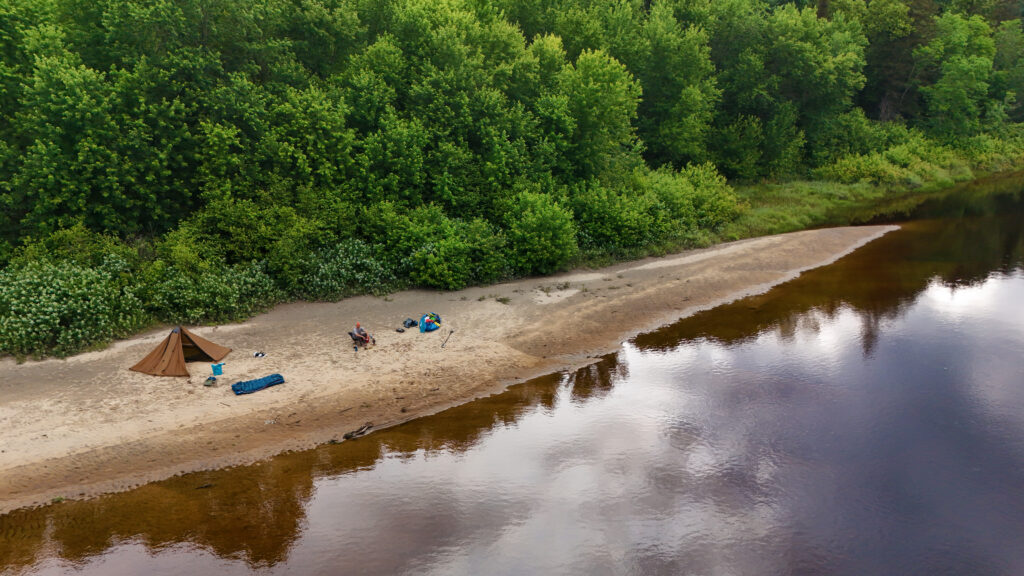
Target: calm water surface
<point>866,418</point>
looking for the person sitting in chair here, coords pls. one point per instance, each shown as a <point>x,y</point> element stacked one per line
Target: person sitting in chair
<point>360,336</point>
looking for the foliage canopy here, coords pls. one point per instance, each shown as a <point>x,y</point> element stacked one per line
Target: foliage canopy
<point>209,158</point>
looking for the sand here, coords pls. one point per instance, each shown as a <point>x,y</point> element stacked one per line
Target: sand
<point>86,425</point>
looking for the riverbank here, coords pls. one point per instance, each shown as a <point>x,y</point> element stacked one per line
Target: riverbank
<point>777,208</point>
<point>86,425</point>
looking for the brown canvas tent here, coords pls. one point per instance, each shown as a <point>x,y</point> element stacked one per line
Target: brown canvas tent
<point>180,346</point>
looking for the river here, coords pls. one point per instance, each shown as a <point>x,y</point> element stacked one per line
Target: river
<point>864,418</point>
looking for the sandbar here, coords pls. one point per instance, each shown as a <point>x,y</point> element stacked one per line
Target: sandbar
<point>85,425</point>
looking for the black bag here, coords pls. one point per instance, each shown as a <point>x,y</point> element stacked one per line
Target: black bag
<point>410,323</point>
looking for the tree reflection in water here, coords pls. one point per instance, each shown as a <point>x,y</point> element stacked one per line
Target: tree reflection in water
<point>255,513</point>
<point>879,282</point>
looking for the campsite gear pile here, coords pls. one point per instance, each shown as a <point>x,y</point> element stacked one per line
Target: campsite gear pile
<point>250,386</point>
<point>430,322</point>
<point>407,323</point>
<point>180,346</point>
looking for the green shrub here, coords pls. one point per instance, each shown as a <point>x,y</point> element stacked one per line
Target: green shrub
<point>347,269</point>
<point>713,199</point>
<point>911,160</point>
<point>610,219</point>
<point>6,249</point>
<point>243,231</point>
<point>396,232</point>
<point>189,251</point>
<point>457,261</point>
<point>990,154</point>
<point>696,196</point>
<point>77,245</point>
<point>487,250</point>
<point>429,249</point>
<point>290,255</point>
<point>847,134</point>
<point>443,263</point>
<point>224,294</point>
<point>462,254</point>
<point>63,307</point>
<point>871,168</point>
<point>737,147</point>
<point>541,234</point>
<point>900,156</point>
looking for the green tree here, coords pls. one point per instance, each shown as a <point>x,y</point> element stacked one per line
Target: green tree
<point>957,68</point>
<point>739,43</point>
<point>819,63</point>
<point>324,34</point>
<point>1008,67</point>
<point>602,99</point>
<point>375,80</point>
<point>679,90</point>
<point>65,117</point>
<point>894,28</point>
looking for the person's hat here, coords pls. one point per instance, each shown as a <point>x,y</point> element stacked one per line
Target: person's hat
<point>357,324</point>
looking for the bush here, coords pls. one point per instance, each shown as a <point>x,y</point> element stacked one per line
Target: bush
<point>465,254</point>
<point>187,250</point>
<point>713,200</point>
<point>225,294</point>
<point>396,232</point>
<point>609,219</point>
<point>737,148</point>
<point>243,231</point>
<point>847,134</point>
<point>541,234</point>
<point>991,154</point>
<point>63,307</point>
<point>487,250</point>
<point>443,263</point>
<point>429,249</point>
<point>910,160</point>
<point>347,269</point>
<point>77,245</point>
<point>871,168</point>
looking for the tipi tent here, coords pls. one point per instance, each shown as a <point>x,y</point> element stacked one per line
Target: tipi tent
<point>180,346</point>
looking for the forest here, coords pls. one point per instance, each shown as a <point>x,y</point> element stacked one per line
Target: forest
<point>199,161</point>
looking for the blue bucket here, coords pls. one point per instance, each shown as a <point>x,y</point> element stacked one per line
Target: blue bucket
<point>218,369</point>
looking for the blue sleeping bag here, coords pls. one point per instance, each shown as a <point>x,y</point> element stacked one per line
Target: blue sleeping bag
<point>250,386</point>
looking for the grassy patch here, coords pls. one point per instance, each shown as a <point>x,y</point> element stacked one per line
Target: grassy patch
<point>777,208</point>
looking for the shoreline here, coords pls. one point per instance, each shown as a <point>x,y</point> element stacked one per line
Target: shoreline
<point>85,425</point>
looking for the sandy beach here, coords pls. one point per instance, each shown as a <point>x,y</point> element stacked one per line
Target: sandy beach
<point>86,425</point>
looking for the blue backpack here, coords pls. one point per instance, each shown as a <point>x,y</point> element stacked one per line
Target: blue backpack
<point>430,322</point>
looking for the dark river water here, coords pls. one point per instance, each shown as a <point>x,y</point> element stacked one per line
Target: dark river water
<point>866,418</point>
